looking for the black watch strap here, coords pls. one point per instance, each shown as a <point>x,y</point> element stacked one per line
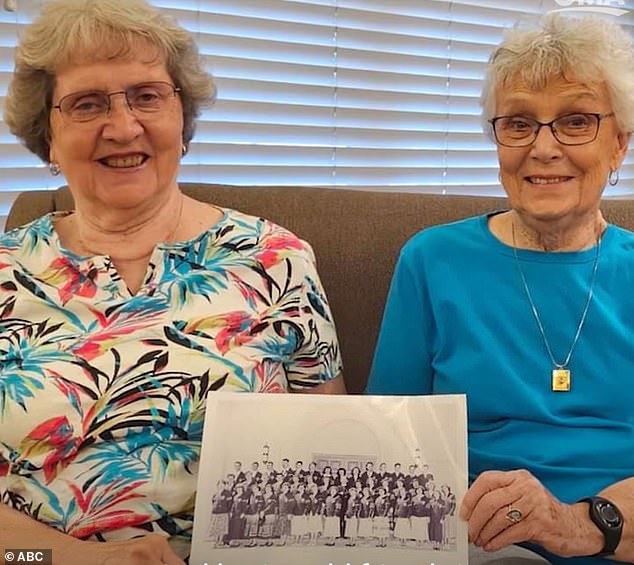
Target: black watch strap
<point>608,518</point>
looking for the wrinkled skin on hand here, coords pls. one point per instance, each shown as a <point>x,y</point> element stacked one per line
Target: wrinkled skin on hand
<point>562,529</point>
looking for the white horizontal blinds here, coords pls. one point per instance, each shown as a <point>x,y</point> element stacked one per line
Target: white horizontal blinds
<point>625,187</point>
<point>413,70</point>
<point>317,93</point>
<point>19,169</point>
<point>274,65</point>
<point>405,94</point>
<point>378,94</point>
<point>365,93</point>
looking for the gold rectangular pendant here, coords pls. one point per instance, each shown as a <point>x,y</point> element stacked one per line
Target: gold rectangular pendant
<point>561,380</point>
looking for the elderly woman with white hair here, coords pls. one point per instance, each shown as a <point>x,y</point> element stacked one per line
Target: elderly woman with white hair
<point>529,311</point>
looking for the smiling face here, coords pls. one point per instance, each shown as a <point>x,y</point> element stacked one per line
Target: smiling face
<point>548,181</point>
<point>123,160</point>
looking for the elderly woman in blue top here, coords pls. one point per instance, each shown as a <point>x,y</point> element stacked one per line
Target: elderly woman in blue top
<point>530,311</point>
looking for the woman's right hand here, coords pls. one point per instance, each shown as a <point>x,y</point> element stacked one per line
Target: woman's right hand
<point>19,530</point>
<point>148,550</point>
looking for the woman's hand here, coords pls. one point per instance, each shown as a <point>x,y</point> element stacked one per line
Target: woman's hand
<point>504,508</point>
<point>19,530</point>
<point>149,550</point>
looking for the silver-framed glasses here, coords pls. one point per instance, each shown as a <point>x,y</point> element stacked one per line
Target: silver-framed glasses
<point>142,99</point>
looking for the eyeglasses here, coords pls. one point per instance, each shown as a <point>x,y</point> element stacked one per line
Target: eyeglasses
<point>144,98</point>
<point>571,129</point>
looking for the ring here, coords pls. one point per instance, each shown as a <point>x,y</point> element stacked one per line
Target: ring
<point>513,515</point>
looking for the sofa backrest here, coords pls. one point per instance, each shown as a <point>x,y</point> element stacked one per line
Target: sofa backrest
<point>356,236</point>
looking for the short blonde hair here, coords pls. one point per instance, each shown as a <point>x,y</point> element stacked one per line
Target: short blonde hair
<point>69,31</point>
<point>589,49</point>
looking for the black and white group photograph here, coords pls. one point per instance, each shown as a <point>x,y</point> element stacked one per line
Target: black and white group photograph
<point>350,506</point>
<point>332,484</point>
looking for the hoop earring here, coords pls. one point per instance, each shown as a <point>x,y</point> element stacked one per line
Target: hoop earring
<point>54,168</point>
<point>613,177</point>
<point>184,150</point>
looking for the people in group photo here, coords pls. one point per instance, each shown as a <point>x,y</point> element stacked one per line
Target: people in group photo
<point>305,505</point>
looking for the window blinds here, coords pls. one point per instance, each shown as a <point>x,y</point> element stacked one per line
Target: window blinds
<point>363,94</point>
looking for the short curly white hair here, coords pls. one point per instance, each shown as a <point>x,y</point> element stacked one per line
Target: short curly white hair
<point>588,49</point>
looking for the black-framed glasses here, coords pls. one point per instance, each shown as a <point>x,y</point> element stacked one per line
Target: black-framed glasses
<point>144,98</point>
<point>571,129</point>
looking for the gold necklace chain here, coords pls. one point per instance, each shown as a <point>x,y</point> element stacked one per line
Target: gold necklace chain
<point>168,238</point>
<point>561,377</point>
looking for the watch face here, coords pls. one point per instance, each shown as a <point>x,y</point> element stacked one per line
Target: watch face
<point>609,515</point>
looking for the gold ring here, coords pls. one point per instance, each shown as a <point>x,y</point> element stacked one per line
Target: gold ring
<point>513,515</point>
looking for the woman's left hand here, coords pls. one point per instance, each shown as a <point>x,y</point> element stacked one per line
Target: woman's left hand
<point>503,508</point>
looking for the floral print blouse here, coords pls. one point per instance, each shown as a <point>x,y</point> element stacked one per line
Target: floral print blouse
<point>102,393</point>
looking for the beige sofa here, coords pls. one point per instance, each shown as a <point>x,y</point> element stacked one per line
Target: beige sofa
<point>356,236</point>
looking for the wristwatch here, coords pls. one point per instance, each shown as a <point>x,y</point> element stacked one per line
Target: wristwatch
<point>608,518</point>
